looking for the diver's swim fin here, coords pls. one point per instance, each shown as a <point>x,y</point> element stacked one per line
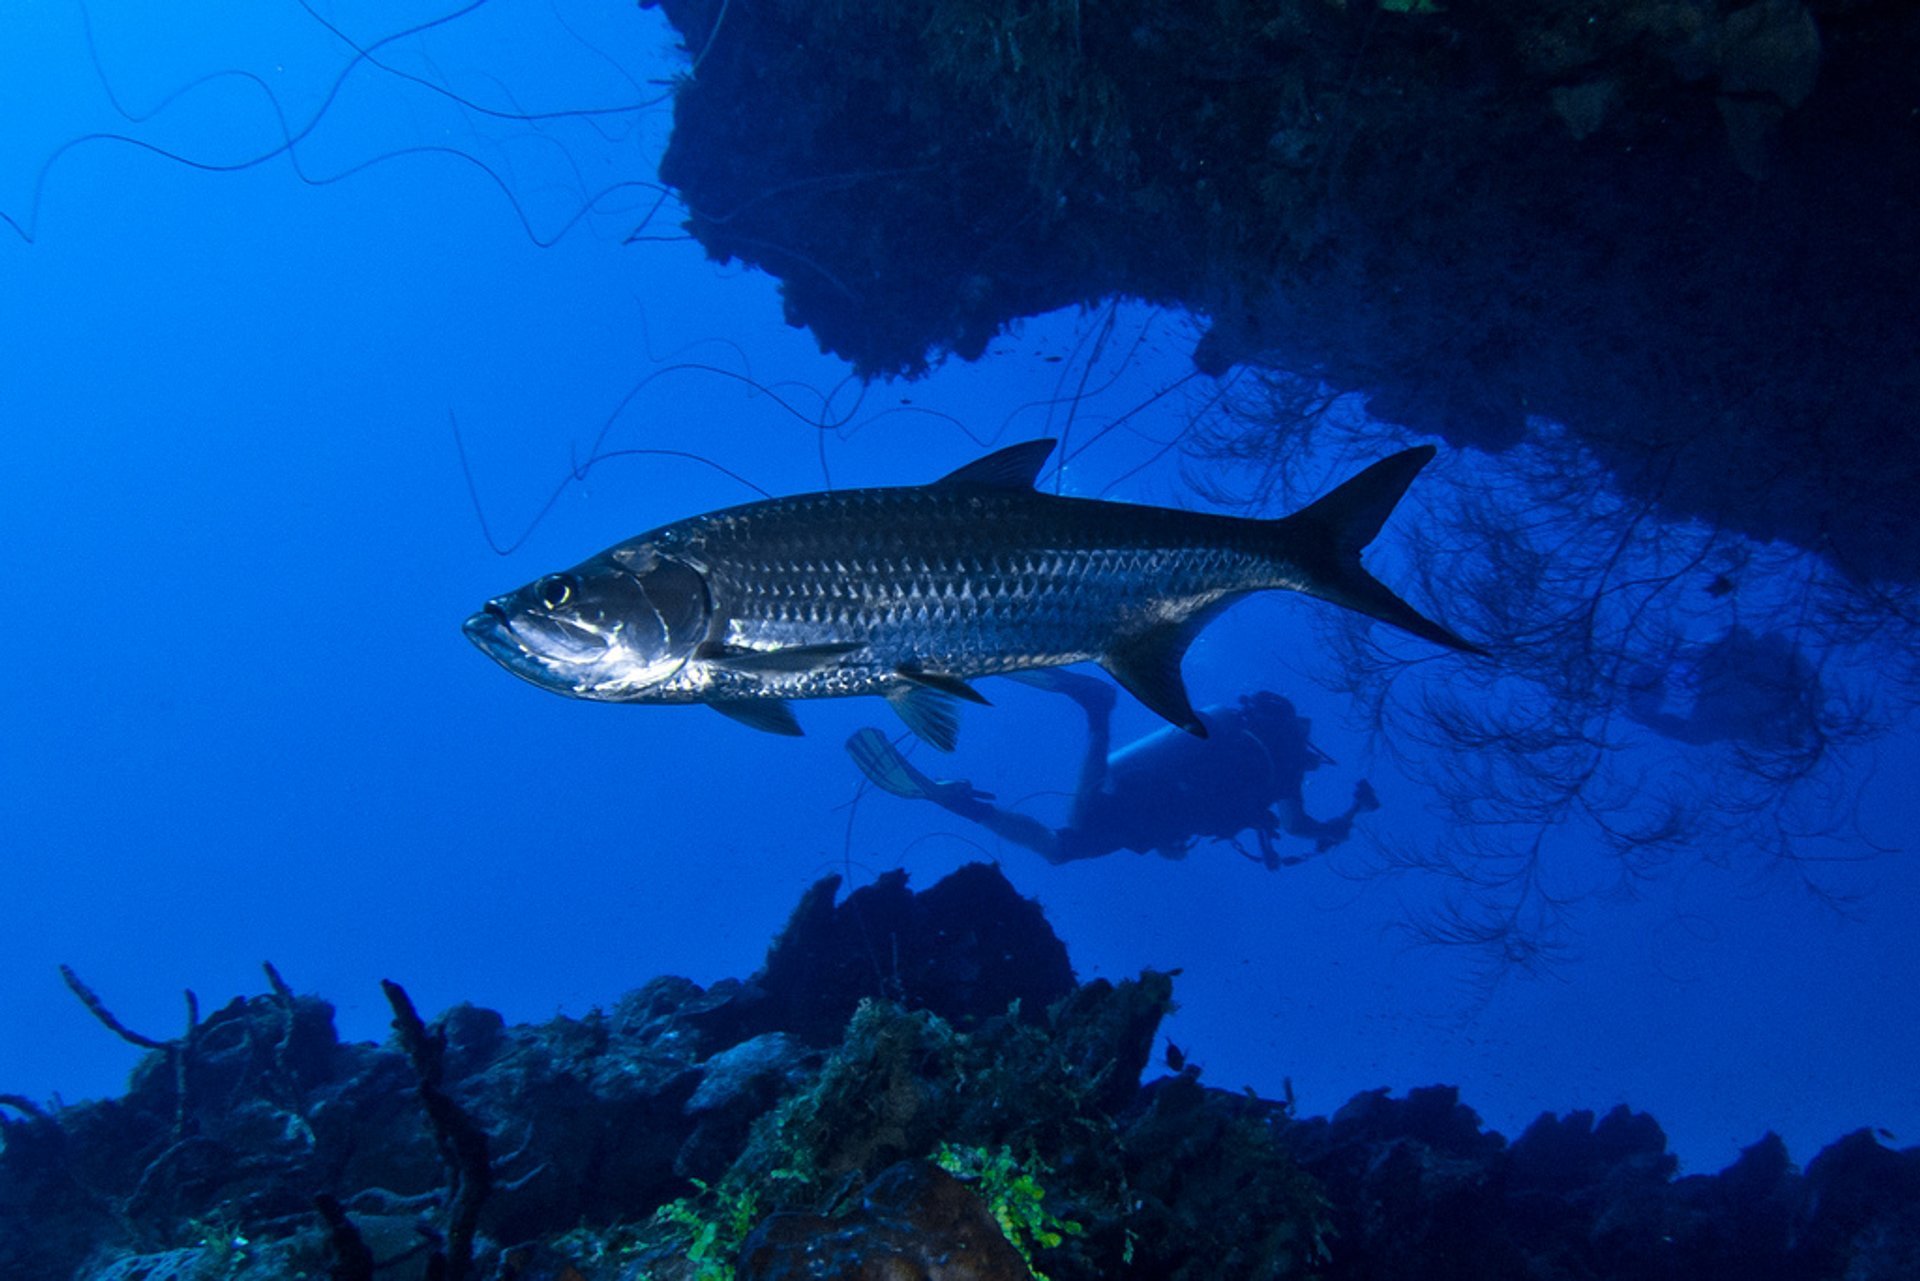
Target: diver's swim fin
<point>889,771</point>
<point>1088,691</point>
<point>885,768</point>
<point>1047,678</point>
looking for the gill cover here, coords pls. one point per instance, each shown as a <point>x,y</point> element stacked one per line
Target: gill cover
<point>612,628</point>
<point>672,619</point>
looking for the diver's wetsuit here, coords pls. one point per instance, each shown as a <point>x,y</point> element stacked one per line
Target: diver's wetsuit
<point>1169,789</point>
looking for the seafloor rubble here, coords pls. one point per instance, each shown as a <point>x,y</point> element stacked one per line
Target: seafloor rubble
<point>913,1086</point>
<point>1682,229</point>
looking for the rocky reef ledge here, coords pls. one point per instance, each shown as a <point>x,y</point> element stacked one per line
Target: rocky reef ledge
<point>913,1086</point>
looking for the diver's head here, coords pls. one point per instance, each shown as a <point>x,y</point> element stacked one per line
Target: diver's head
<point>1271,719</point>
<point>608,628</point>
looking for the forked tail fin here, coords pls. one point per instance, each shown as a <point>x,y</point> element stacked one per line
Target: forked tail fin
<point>1325,538</point>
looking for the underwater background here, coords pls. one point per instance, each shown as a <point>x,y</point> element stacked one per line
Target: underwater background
<point>264,406</point>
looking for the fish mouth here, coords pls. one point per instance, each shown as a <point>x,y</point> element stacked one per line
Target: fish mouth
<point>534,653</point>
<point>493,634</point>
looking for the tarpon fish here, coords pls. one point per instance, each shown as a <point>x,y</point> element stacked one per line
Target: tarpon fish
<point>912,592</point>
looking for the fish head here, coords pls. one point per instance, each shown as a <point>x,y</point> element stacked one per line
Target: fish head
<point>610,628</point>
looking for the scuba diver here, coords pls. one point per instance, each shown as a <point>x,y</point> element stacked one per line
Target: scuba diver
<point>1160,793</point>
<point>1748,687</point>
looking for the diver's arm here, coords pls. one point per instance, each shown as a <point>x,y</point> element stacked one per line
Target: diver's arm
<point>1295,820</point>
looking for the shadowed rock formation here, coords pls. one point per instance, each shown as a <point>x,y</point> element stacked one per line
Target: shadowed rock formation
<point>1681,228</point>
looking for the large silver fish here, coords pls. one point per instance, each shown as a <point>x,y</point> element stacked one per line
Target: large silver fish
<point>911,592</point>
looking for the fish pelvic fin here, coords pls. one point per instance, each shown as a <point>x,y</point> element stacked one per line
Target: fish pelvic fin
<point>768,715</point>
<point>945,682</point>
<point>1326,537</point>
<point>930,713</point>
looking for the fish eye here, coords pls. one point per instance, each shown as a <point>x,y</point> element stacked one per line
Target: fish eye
<point>555,590</point>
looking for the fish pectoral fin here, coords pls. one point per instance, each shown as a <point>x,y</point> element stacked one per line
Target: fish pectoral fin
<point>928,712</point>
<point>787,658</point>
<point>942,681</point>
<point>769,715</point>
<point>1015,467</point>
<point>1148,667</point>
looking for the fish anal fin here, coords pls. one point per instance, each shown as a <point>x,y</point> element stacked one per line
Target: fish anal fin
<point>942,681</point>
<point>769,715</point>
<point>928,712</point>
<point>1015,467</point>
<point>786,658</point>
<point>1148,667</point>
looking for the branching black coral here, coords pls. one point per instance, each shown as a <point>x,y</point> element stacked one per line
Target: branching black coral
<point>463,1144</point>
<point>177,1051</point>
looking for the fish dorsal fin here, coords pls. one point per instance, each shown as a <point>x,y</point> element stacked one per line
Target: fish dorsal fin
<point>1149,667</point>
<point>769,715</point>
<point>928,712</point>
<point>1015,467</point>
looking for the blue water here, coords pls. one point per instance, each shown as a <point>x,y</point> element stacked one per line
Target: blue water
<point>241,723</point>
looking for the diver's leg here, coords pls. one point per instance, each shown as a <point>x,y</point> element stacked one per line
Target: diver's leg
<point>1023,830</point>
<point>887,769</point>
<point>1082,837</point>
<point>1074,841</point>
<point>1097,698</point>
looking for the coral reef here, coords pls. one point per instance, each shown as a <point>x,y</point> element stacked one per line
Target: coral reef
<point>912,1086</point>
<point>915,1223</point>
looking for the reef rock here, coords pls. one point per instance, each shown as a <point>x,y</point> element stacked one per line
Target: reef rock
<point>991,1108</point>
<point>915,1223</point>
